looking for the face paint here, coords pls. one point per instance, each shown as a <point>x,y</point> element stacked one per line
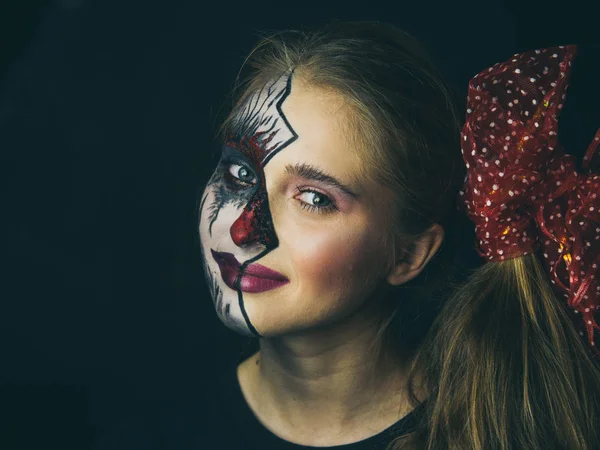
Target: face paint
<point>236,227</point>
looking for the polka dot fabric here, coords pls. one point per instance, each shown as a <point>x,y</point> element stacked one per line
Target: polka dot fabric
<point>522,191</point>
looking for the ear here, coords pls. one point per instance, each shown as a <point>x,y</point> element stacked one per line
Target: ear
<point>413,262</point>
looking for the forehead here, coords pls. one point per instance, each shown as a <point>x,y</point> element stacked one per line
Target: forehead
<point>272,115</point>
<point>321,119</point>
<point>288,108</point>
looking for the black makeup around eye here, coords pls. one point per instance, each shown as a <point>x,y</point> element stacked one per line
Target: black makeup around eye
<point>231,156</point>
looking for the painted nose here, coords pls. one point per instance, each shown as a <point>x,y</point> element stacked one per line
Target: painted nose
<point>244,230</point>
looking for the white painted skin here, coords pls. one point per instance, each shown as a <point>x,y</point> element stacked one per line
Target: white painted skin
<point>260,115</point>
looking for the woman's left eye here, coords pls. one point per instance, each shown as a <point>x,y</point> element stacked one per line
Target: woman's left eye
<point>315,201</point>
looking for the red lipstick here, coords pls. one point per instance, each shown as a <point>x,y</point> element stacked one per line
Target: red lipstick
<point>255,278</point>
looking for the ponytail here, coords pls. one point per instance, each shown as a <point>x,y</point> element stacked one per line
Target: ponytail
<point>505,368</point>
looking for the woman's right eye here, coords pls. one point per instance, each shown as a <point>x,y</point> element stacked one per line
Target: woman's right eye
<point>240,175</point>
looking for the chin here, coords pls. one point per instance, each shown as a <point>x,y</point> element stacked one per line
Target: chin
<point>236,323</point>
<point>237,326</point>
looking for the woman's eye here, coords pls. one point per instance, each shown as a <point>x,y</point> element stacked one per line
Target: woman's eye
<point>314,201</point>
<point>241,173</point>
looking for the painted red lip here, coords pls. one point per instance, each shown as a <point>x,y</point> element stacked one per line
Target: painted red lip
<point>255,278</point>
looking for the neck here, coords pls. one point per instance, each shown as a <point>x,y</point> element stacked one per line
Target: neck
<point>330,379</point>
<point>335,377</point>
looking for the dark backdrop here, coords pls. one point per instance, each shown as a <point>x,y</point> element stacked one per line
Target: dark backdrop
<point>107,112</point>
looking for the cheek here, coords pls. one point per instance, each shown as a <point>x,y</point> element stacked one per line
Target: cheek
<point>216,216</point>
<point>332,258</point>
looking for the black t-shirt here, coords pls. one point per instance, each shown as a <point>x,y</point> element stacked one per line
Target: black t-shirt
<point>223,420</point>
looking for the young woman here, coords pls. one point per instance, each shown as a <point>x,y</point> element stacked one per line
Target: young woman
<point>330,233</point>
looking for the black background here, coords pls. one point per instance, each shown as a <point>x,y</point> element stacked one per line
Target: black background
<point>107,116</point>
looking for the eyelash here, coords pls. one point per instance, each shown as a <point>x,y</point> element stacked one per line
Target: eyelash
<point>307,206</point>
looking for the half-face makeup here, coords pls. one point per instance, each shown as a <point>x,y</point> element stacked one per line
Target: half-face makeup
<point>236,195</point>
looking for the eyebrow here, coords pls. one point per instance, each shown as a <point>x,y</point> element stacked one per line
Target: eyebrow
<point>314,173</point>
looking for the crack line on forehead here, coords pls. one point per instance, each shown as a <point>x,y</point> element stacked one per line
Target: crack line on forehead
<point>259,116</point>
<point>287,92</point>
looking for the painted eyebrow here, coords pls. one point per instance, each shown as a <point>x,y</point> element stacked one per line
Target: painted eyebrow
<point>314,173</point>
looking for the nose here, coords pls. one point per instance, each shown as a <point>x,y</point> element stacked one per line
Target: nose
<point>244,230</point>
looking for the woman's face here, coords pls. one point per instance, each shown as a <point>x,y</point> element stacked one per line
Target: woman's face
<point>291,234</point>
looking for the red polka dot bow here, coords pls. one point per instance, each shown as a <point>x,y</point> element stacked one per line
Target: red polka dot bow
<point>522,191</point>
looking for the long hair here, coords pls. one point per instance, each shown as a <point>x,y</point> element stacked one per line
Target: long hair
<point>501,362</point>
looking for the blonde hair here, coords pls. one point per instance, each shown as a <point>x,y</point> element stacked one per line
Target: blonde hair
<point>500,359</point>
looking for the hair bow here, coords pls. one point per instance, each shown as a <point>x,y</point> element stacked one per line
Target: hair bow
<point>522,191</point>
